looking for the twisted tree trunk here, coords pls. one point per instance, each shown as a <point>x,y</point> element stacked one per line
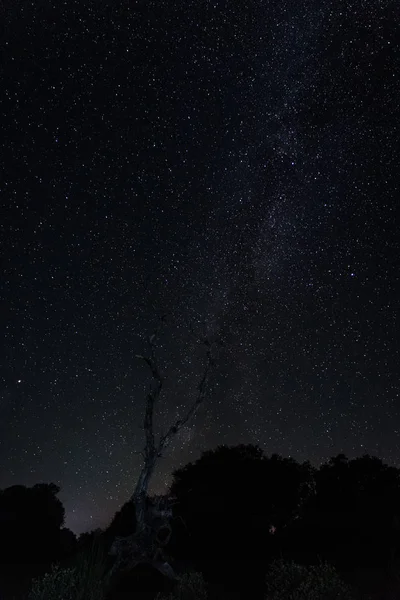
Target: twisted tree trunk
<point>145,544</point>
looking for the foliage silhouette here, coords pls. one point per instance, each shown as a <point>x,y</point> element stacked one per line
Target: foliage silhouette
<point>352,519</point>
<point>87,579</point>
<point>228,504</point>
<point>32,535</point>
<point>190,586</point>
<point>290,581</point>
<point>31,521</point>
<point>235,511</point>
<point>234,496</point>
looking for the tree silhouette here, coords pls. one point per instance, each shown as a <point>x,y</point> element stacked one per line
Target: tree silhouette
<point>143,545</point>
<point>233,498</point>
<point>352,517</point>
<point>228,505</point>
<point>31,532</point>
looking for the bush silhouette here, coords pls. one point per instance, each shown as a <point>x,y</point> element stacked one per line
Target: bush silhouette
<point>87,579</point>
<point>32,535</point>
<point>290,581</point>
<point>190,586</point>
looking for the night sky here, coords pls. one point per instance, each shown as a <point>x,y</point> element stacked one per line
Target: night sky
<point>232,164</point>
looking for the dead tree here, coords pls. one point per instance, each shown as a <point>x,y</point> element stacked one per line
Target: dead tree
<point>146,544</point>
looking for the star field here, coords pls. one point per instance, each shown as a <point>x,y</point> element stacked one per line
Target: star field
<point>234,165</point>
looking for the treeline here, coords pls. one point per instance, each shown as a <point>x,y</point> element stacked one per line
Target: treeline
<point>235,512</point>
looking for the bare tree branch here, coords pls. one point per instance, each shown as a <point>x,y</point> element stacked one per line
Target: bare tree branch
<point>145,537</point>
<point>202,389</point>
<point>150,451</point>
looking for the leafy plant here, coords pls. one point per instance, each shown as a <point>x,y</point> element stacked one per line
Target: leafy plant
<point>290,581</point>
<point>87,580</point>
<point>57,583</point>
<point>191,586</point>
